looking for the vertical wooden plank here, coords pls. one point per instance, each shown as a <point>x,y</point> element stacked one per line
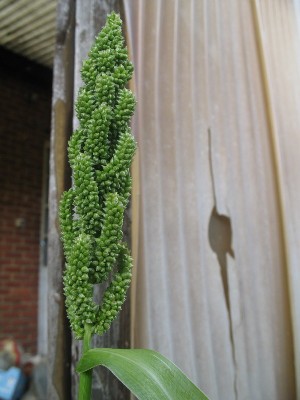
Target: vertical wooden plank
<point>211,280</point>
<point>62,105</point>
<point>90,18</point>
<point>277,29</point>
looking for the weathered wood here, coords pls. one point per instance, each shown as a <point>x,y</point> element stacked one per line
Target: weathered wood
<point>219,308</point>
<point>90,18</point>
<point>62,105</point>
<point>277,32</point>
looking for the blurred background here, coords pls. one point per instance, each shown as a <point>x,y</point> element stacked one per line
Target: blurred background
<point>214,222</point>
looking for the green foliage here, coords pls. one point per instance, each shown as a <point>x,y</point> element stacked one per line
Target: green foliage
<point>91,212</point>
<point>146,373</point>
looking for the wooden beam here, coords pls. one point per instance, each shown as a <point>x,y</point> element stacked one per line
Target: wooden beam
<point>90,18</point>
<point>62,110</point>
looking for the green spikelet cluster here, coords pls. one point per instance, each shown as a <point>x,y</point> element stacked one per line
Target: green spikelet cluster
<point>91,212</point>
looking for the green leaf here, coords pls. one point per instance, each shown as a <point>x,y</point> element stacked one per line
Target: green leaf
<point>146,373</point>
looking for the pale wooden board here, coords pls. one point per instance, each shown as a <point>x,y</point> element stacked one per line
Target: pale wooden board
<point>279,24</point>
<point>199,69</point>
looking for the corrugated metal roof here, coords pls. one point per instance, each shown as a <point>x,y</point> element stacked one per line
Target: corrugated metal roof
<point>28,27</point>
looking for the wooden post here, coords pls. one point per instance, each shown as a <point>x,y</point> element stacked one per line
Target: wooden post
<point>90,18</point>
<point>72,47</point>
<point>59,380</point>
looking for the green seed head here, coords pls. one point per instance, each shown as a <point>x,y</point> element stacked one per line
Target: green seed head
<point>91,212</point>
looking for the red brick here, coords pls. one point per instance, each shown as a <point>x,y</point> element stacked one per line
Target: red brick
<point>24,128</point>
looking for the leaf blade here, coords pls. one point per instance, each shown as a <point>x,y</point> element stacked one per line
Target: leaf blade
<point>146,373</point>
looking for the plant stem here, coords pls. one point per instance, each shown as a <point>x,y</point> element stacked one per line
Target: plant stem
<point>85,378</point>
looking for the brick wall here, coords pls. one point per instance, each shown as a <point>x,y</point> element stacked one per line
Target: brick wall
<point>25,104</point>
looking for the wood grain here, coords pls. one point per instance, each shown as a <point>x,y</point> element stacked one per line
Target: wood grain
<point>212,287</point>
<point>59,354</point>
<point>90,18</point>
